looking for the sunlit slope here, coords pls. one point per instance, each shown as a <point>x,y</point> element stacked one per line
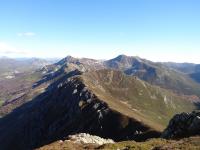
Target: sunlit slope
<point>136,98</point>
<point>155,73</point>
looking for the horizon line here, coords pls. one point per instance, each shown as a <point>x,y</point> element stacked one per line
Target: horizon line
<point>38,57</point>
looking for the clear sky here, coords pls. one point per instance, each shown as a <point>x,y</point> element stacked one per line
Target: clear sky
<point>159,30</point>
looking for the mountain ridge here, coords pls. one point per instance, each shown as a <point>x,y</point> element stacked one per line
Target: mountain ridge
<point>77,104</point>
<point>112,99</point>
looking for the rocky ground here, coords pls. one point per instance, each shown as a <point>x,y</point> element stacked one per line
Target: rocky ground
<point>192,143</point>
<point>78,141</point>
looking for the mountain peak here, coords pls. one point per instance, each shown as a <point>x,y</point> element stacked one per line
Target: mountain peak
<point>126,57</point>
<point>68,59</point>
<point>122,56</point>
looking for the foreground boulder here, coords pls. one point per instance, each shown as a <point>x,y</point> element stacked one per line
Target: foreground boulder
<point>183,125</point>
<point>88,139</point>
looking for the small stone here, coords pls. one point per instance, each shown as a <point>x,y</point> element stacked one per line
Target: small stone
<point>60,141</point>
<point>75,91</point>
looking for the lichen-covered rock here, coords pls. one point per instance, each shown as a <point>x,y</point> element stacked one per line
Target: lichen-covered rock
<point>183,125</point>
<point>85,138</point>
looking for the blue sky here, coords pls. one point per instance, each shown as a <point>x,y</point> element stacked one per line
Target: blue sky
<point>159,30</point>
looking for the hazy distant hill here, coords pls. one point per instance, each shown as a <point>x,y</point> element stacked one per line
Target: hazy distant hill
<point>11,66</point>
<point>182,67</point>
<point>17,76</point>
<point>192,70</point>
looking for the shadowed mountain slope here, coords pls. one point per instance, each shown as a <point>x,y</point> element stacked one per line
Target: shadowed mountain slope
<point>195,76</point>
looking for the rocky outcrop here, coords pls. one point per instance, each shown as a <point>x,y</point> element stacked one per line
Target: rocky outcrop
<point>183,125</point>
<point>84,138</point>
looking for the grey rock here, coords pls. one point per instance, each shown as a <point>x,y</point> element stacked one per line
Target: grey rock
<point>183,125</point>
<point>87,138</point>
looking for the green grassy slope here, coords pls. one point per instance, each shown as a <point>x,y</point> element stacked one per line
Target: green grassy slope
<point>136,98</point>
<point>192,143</point>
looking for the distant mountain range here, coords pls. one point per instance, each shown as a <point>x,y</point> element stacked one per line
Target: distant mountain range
<point>16,62</point>
<point>124,98</point>
<point>11,66</point>
<point>192,70</point>
<point>18,74</point>
<point>186,68</point>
